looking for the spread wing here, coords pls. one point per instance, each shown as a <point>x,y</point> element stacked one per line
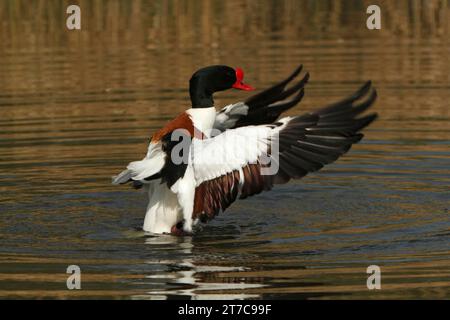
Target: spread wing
<point>264,107</point>
<point>236,163</point>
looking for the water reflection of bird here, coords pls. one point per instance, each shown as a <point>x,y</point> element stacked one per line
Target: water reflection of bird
<point>181,275</point>
<point>203,160</point>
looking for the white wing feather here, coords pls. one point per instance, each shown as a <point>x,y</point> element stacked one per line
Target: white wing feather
<point>228,116</point>
<point>229,151</point>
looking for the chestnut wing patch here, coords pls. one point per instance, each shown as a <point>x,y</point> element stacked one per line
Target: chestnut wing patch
<point>213,196</point>
<point>182,121</point>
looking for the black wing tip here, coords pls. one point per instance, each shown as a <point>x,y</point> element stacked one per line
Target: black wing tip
<point>360,93</point>
<point>299,96</point>
<point>306,77</point>
<point>293,75</point>
<point>295,100</point>
<point>373,116</point>
<point>366,86</point>
<point>363,90</point>
<point>278,91</point>
<point>298,69</point>
<point>297,87</point>
<point>357,137</point>
<point>348,104</point>
<point>366,101</point>
<point>373,94</point>
<point>366,120</point>
<point>301,92</point>
<point>282,106</point>
<point>366,104</point>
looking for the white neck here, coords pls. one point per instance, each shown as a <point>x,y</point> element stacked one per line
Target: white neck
<point>203,118</point>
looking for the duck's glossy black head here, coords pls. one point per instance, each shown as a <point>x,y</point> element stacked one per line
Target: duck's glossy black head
<point>211,79</point>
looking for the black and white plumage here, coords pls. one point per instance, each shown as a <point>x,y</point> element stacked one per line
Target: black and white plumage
<point>241,150</point>
<point>264,107</point>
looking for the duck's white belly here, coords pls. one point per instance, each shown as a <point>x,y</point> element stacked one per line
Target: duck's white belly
<point>163,210</point>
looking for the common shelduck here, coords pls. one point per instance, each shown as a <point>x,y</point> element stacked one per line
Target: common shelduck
<point>203,160</point>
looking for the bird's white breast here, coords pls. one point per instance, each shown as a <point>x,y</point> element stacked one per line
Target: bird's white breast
<point>203,118</point>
